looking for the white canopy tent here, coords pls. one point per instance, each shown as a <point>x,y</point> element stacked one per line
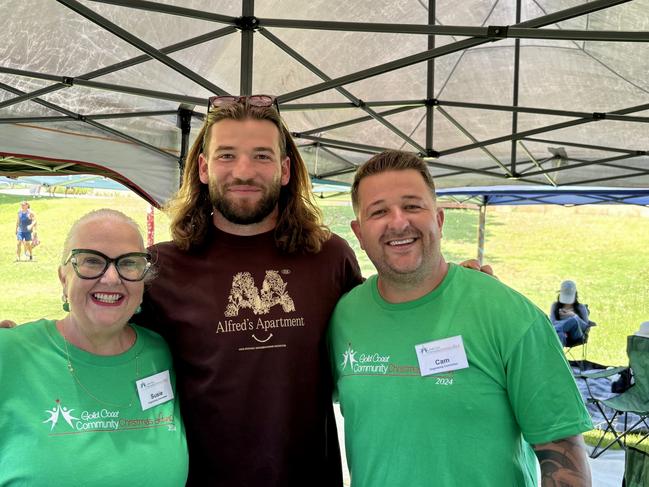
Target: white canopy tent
<point>551,92</point>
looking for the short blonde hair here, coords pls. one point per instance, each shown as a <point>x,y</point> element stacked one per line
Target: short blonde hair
<point>104,214</point>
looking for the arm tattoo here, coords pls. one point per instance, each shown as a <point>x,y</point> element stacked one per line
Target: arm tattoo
<point>563,463</point>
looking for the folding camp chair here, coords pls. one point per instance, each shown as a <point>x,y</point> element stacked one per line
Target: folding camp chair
<point>571,344</point>
<point>634,400</point>
<point>636,468</point>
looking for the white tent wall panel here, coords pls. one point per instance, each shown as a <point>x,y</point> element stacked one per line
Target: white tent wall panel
<point>155,176</point>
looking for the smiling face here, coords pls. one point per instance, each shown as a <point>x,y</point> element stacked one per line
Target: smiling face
<point>104,304</point>
<point>244,170</point>
<point>400,227</point>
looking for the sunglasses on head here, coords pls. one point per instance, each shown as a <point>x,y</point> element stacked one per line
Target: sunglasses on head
<point>262,101</point>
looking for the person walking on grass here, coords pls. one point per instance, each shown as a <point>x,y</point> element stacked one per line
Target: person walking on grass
<point>25,228</point>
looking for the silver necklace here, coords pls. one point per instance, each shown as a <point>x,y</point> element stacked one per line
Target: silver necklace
<point>85,389</point>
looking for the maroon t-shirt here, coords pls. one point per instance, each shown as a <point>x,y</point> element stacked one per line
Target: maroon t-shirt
<point>246,325</point>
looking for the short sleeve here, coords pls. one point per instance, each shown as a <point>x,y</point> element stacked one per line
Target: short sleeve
<point>544,396</point>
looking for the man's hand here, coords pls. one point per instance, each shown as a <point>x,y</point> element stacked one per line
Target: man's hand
<point>564,463</point>
<point>475,265</point>
<point>7,324</point>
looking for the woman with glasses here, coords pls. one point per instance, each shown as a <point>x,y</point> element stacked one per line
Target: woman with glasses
<point>89,398</point>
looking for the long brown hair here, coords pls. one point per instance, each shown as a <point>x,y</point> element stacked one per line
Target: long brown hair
<point>299,225</point>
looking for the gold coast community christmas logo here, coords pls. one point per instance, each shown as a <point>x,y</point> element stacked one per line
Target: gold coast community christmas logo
<point>57,412</point>
<point>62,419</point>
<point>373,363</point>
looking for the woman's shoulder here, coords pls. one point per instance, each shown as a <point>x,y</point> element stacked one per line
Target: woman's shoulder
<point>150,337</point>
<point>27,333</point>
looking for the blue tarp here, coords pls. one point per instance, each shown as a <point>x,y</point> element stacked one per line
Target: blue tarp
<point>546,195</point>
<point>81,181</point>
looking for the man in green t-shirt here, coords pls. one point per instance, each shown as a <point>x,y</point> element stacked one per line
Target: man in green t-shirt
<point>445,376</point>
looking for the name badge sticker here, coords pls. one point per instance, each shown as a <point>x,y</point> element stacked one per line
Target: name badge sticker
<point>155,389</point>
<point>441,356</point>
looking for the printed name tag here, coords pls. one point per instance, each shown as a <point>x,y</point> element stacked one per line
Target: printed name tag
<point>154,390</point>
<point>441,356</point>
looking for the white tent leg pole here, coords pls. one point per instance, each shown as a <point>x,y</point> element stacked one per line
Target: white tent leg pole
<point>481,227</point>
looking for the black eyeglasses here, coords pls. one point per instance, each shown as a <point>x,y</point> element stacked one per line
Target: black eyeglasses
<point>262,101</point>
<point>92,264</point>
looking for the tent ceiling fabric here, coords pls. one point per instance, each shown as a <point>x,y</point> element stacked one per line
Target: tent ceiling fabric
<point>555,93</point>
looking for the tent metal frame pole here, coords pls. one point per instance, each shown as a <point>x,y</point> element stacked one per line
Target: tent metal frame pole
<point>50,119</point>
<point>345,106</point>
<point>124,64</point>
<point>489,32</point>
<point>537,163</point>
<point>542,21</point>
<point>354,121</point>
<point>424,29</point>
<point>430,83</point>
<point>30,95</point>
<point>171,9</point>
<point>624,176</point>
<point>184,123</point>
<point>515,83</point>
<point>97,125</point>
<point>107,116</point>
<point>482,220</point>
<point>584,146</point>
<point>70,81</point>
<point>350,165</point>
<point>530,163</point>
<point>375,149</point>
<point>542,111</point>
<point>247,24</point>
<point>598,162</point>
<point>464,131</point>
<point>343,91</point>
<point>141,45</point>
<point>538,130</point>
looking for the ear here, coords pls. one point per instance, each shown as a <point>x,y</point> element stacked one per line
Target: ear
<point>203,172</point>
<point>356,227</point>
<point>62,278</point>
<point>286,171</point>
<point>440,219</point>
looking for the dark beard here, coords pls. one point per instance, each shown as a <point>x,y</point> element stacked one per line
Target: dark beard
<point>248,214</point>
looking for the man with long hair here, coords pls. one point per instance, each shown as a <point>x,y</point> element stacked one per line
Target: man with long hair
<point>243,296</point>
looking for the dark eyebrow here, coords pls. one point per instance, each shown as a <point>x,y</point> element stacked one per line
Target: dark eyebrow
<point>255,149</point>
<point>403,198</point>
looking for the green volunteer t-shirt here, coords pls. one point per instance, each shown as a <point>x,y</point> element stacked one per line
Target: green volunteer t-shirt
<point>471,426</point>
<point>58,430</point>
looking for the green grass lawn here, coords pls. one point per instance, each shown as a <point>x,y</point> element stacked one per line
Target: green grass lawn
<point>530,250</point>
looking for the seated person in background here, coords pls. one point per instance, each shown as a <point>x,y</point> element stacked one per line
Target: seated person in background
<point>71,413</point>
<point>569,316</point>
